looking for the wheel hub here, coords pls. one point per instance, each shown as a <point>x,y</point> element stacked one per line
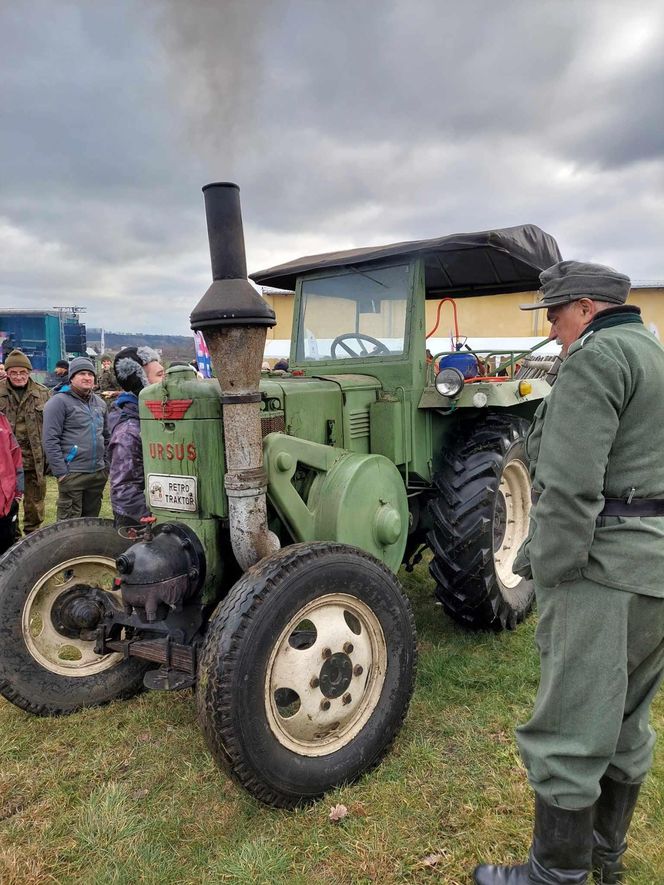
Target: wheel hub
<point>62,611</point>
<point>336,675</point>
<point>325,675</point>
<point>78,609</point>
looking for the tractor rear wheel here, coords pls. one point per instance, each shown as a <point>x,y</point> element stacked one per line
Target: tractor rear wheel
<point>306,672</point>
<point>55,585</point>
<point>479,521</point>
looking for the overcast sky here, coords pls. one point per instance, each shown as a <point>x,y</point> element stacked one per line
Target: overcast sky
<point>345,123</point>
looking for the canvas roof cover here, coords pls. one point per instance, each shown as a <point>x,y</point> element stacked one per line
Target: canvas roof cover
<point>483,263</point>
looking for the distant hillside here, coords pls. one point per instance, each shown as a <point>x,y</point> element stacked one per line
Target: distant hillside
<point>172,347</point>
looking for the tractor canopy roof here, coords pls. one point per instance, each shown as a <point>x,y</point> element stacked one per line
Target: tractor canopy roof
<point>487,262</point>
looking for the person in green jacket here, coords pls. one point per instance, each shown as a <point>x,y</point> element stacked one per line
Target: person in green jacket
<point>22,401</point>
<point>595,550</point>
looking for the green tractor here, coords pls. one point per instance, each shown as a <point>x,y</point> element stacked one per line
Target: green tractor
<point>283,507</point>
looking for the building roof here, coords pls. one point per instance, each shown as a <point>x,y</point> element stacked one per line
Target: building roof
<point>17,311</point>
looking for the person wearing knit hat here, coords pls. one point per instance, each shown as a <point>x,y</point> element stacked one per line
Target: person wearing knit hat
<point>135,368</point>
<point>75,438</point>
<point>18,360</point>
<point>81,364</point>
<point>595,554</point>
<point>57,379</point>
<point>22,401</point>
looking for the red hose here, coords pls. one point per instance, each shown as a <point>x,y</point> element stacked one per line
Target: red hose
<point>456,322</point>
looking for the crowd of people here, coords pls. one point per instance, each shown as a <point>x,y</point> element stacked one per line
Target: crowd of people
<point>82,427</point>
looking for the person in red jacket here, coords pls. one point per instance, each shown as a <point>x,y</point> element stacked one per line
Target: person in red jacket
<point>11,484</point>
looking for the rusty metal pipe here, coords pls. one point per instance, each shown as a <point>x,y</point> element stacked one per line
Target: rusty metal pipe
<point>234,319</point>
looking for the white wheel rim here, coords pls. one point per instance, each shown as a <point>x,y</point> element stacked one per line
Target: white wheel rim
<point>60,654</point>
<point>323,724</point>
<point>515,489</point>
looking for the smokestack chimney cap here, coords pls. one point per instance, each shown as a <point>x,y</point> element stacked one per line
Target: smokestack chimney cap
<point>220,184</point>
<point>231,299</point>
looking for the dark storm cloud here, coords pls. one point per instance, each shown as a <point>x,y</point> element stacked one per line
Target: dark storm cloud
<point>345,123</point>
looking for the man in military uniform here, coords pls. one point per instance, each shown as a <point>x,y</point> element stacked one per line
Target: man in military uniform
<point>595,550</point>
<point>22,400</point>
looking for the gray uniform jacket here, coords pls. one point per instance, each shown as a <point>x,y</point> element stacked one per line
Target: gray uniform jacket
<point>600,433</point>
<point>70,420</point>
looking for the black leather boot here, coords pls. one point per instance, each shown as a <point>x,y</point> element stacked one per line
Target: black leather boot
<point>560,854</point>
<point>613,815</point>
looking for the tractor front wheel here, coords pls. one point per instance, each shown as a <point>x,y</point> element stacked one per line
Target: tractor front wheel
<point>306,672</point>
<point>479,520</point>
<point>55,586</point>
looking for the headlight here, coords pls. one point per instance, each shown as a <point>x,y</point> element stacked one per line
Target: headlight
<point>449,382</point>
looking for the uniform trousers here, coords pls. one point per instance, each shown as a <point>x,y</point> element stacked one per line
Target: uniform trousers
<point>601,663</point>
<point>80,494</point>
<point>33,502</point>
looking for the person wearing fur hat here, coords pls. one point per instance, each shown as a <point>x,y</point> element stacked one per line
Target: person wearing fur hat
<point>75,439</point>
<point>134,368</point>
<point>22,402</point>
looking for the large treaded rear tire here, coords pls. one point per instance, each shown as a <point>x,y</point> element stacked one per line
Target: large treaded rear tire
<point>475,587</point>
<point>322,627</point>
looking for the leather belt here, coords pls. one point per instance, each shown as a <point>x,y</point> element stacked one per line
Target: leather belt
<point>624,506</point>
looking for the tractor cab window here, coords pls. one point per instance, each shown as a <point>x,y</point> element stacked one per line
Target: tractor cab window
<point>358,314</point>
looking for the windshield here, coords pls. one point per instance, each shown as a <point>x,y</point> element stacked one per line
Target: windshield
<point>358,314</point>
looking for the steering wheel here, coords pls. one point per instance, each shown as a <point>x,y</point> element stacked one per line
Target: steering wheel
<point>340,340</point>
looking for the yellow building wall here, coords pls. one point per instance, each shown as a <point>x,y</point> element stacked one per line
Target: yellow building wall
<point>489,316</point>
<point>651,302</point>
<point>282,305</point>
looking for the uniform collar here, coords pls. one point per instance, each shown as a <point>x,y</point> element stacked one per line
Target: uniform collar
<point>615,316</point>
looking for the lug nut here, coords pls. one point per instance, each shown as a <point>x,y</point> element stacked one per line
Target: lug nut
<point>325,704</point>
<point>358,670</point>
<point>346,699</point>
<point>314,682</point>
<point>348,647</point>
<point>327,652</point>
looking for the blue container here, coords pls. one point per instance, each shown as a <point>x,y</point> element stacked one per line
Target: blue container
<point>466,363</point>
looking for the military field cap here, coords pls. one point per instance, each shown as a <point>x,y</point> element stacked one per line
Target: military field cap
<point>81,364</point>
<point>18,360</point>
<point>571,280</point>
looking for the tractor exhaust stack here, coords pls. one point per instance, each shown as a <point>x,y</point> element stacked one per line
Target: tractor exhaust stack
<point>234,319</point>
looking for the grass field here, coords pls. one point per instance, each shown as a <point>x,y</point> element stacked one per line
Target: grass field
<point>128,793</point>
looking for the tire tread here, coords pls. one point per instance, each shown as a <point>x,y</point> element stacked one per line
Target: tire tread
<point>224,639</point>
<point>461,537</point>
